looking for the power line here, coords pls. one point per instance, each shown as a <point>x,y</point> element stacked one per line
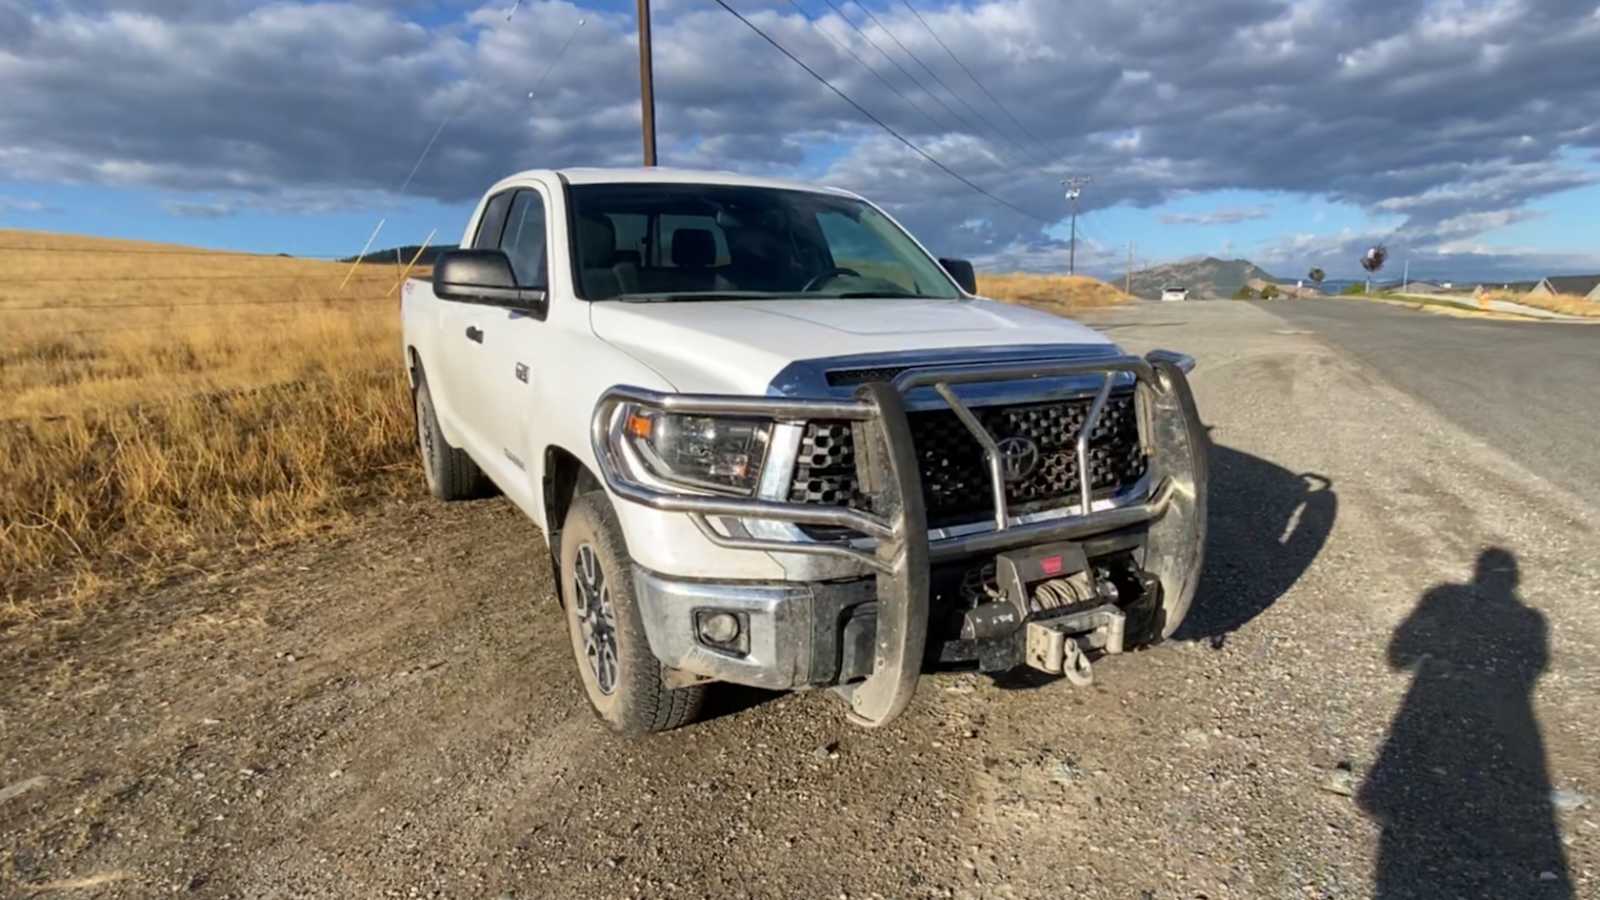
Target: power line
<point>461,107</point>
<point>880,123</point>
<point>961,122</point>
<point>935,76</point>
<point>986,92</point>
<point>816,24</point>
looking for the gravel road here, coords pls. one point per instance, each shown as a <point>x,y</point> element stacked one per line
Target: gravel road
<point>1387,688</point>
<point>1528,388</point>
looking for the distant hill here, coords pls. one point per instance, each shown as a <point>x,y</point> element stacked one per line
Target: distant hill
<point>1210,277</point>
<point>387,254</point>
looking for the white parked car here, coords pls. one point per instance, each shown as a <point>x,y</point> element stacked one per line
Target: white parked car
<point>1172,294</point>
<point>771,440</point>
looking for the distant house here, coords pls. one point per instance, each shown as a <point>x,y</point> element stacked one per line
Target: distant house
<point>1505,287</point>
<point>1572,285</point>
<point>1422,287</point>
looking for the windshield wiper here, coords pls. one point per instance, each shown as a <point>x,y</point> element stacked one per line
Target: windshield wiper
<point>866,295</point>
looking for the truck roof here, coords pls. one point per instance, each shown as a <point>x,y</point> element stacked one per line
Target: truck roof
<point>664,175</point>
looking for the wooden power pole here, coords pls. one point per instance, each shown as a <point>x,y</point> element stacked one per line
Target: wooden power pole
<point>647,87</point>
<point>1074,188</point>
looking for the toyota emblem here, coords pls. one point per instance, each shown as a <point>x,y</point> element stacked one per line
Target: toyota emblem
<point>1019,456</point>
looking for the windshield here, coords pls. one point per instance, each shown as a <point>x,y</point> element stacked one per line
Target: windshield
<point>648,242</point>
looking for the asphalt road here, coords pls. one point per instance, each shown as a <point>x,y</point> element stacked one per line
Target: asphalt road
<point>1530,389</point>
<point>1386,688</point>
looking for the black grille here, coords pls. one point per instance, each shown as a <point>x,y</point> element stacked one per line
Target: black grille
<point>955,477</point>
<point>825,471</point>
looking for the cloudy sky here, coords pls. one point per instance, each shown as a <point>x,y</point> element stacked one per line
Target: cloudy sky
<point>1465,134</point>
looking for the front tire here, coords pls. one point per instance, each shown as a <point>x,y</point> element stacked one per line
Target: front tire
<point>621,677</point>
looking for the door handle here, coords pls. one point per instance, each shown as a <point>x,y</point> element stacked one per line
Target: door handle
<point>475,334</point>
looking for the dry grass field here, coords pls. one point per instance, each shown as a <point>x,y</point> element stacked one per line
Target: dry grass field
<point>1560,303</point>
<point>1063,294</point>
<point>163,407</point>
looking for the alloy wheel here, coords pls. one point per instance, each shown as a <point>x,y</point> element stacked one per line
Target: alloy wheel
<point>597,623</point>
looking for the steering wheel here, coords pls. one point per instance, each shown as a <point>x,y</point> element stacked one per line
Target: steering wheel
<point>825,276</point>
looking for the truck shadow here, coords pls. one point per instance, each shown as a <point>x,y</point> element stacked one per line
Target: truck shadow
<point>1265,527</point>
<point>1461,788</point>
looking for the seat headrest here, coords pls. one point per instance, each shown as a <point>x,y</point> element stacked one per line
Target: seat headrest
<point>597,239</point>
<point>693,248</point>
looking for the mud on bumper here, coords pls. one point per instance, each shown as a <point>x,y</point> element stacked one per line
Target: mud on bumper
<point>785,644</point>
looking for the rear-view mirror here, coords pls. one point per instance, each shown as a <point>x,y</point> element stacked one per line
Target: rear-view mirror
<point>483,276</point>
<point>962,272</point>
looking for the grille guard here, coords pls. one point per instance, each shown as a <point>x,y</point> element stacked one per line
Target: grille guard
<point>894,540</point>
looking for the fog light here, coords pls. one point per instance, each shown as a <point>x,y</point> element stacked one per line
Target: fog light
<point>719,628</point>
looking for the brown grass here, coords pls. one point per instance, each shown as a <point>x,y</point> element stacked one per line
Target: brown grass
<point>210,402</point>
<point>1061,294</point>
<point>1566,304</point>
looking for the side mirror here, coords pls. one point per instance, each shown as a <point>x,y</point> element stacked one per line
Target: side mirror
<point>483,276</point>
<point>962,272</point>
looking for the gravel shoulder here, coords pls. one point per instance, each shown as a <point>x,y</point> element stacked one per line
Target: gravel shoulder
<point>1356,707</point>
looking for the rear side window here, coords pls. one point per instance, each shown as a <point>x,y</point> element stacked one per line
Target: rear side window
<point>523,239</point>
<point>493,222</point>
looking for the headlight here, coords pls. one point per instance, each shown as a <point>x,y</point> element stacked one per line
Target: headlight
<point>709,452</point>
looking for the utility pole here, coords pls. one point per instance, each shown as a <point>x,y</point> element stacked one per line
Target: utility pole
<point>1405,280</point>
<point>1129,289</point>
<point>1074,188</point>
<point>647,87</point>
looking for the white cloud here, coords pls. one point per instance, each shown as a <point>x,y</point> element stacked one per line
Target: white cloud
<point>1403,109</point>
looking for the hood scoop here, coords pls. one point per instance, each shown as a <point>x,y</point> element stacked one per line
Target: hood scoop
<point>869,374</point>
<point>853,377</point>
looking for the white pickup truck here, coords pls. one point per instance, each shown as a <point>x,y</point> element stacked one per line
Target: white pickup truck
<point>771,440</point>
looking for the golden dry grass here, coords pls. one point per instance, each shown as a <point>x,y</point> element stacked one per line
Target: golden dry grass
<point>1559,303</point>
<point>1061,294</point>
<point>160,406</point>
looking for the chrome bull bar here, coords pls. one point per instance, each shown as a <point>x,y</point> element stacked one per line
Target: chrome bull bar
<point>893,536</point>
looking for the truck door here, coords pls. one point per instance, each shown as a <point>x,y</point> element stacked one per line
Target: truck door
<point>452,373</point>
<point>512,343</point>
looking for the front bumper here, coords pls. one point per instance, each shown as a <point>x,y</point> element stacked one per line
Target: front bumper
<point>891,538</point>
<point>792,635</point>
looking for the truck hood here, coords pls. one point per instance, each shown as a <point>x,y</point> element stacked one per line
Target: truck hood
<point>741,346</point>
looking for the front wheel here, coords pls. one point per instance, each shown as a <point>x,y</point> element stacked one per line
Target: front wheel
<point>621,677</point>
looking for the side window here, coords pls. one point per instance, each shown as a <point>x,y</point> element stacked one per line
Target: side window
<point>493,222</point>
<point>523,240</point>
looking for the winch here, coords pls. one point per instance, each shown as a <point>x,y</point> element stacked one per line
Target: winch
<point>1064,609</point>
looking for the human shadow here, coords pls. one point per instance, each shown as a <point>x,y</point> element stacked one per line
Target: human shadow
<point>1264,528</point>
<point>1460,787</point>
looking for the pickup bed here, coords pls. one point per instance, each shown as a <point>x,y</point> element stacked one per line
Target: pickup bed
<point>770,439</point>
